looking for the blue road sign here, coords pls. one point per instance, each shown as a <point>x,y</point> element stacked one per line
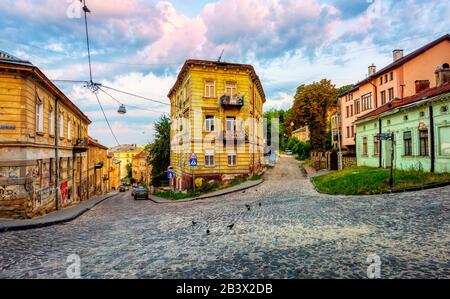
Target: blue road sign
<point>170,175</point>
<point>193,160</point>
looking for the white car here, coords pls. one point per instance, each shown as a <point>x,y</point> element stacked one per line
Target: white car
<point>289,152</point>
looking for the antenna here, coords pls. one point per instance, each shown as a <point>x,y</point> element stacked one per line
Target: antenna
<point>221,54</point>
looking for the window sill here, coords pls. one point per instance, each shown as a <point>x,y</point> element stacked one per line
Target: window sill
<point>39,133</point>
<point>209,98</point>
<point>51,135</point>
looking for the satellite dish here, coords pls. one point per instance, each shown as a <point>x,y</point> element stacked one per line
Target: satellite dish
<point>122,109</point>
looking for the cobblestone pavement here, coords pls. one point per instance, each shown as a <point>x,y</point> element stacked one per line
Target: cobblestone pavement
<point>295,233</point>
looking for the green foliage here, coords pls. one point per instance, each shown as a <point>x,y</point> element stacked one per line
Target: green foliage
<point>129,168</point>
<point>301,149</point>
<point>159,150</point>
<point>344,88</point>
<point>311,105</point>
<point>256,177</point>
<point>368,180</point>
<point>173,195</point>
<point>206,187</point>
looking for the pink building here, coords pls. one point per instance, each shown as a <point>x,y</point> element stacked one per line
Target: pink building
<point>404,77</point>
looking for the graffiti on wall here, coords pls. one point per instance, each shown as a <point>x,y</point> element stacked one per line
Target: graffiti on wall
<point>43,196</point>
<point>64,190</point>
<point>7,193</point>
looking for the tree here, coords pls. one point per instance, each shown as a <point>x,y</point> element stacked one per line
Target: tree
<point>311,105</point>
<point>129,168</point>
<point>344,88</point>
<point>159,150</point>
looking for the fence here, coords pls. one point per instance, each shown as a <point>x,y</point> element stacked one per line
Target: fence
<point>329,160</point>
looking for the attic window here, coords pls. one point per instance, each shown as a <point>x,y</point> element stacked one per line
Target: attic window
<point>444,109</point>
<point>405,118</point>
<point>388,121</point>
<point>422,114</point>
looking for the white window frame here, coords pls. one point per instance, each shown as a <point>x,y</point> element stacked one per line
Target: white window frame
<point>51,120</point>
<point>232,88</point>
<point>209,123</point>
<point>210,88</point>
<point>39,116</point>
<point>231,119</point>
<point>208,154</point>
<point>234,160</point>
<point>69,129</point>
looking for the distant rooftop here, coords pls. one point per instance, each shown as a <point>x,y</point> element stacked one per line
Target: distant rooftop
<point>8,58</point>
<point>126,148</point>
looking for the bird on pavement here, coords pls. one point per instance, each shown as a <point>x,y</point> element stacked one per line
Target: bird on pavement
<point>231,226</point>
<point>259,204</point>
<point>194,223</point>
<point>207,231</point>
<point>248,207</point>
<point>243,191</point>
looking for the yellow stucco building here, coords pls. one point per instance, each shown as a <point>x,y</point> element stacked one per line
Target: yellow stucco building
<point>125,154</point>
<point>43,143</point>
<point>216,113</point>
<point>142,169</point>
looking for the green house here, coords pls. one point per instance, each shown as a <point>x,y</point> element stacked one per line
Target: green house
<point>421,128</point>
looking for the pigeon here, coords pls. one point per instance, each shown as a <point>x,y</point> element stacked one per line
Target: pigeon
<point>194,223</point>
<point>231,226</point>
<point>243,191</point>
<point>248,207</point>
<point>259,204</point>
<point>207,231</point>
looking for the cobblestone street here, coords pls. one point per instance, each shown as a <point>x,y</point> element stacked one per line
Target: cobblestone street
<point>295,233</point>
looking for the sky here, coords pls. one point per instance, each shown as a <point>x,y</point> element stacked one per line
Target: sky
<point>140,45</point>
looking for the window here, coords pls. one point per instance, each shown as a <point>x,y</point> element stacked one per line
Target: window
<point>51,121</point>
<point>347,108</point>
<point>421,113</point>
<point>386,78</point>
<point>209,123</point>
<point>230,89</point>
<point>444,109</point>
<point>353,131</point>
<point>351,110</point>
<point>391,94</point>
<point>366,102</point>
<point>210,88</point>
<point>407,141</point>
<point>348,132</point>
<point>388,122</point>
<point>376,146</point>
<point>381,80</point>
<point>209,158</point>
<point>231,124</point>
<point>232,160</point>
<point>61,125</point>
<point>423,142</point>
<point>383,97</point>
<point>391,76</point>
<point>444,141</point>
<point>69,130</point>
<point>357,106</point>
<point>365,146</point>
<point>39,116</point>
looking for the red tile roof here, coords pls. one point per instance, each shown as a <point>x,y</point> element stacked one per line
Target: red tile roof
<point>396,103</point>
<point>400,62</point>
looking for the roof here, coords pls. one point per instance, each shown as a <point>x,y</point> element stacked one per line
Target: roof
<point>93,142</point>
<point>397,103</point>
<point>10,62</point>
<point>125,148</point>
<point>192,62</point>
<point>141,155</point>
<point>399,62</point>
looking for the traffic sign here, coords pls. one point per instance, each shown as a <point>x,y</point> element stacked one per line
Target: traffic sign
<point>193,161</point>
<point>384,136</point>
<point>170,175</point>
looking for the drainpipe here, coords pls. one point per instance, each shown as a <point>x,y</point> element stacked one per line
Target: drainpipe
<point>375,98</point>
<point>380,153</point>
<point>432,147</point>
<point>57,193</point>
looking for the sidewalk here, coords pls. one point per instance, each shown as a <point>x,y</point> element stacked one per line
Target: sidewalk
<point>240,187</point>
<point>56,217</point>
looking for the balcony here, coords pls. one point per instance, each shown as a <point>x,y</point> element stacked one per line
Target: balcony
<point>236,101</point>
<point>98,165</point>
<point>234,136</point>
<point>80,145</point>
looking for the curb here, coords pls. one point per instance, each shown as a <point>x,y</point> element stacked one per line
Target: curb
<point>52,222</point>
<point>407,190</point>
<point>206,196</point>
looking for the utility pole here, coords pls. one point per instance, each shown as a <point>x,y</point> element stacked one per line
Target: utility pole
<point>391,177</point>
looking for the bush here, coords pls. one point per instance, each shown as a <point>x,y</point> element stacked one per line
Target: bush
<point>301,149</point>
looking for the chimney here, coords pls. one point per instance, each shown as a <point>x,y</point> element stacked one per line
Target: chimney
<point>421,85</point>
<point>442,74</point>
<point>372,69</point>
<point>397,54</point>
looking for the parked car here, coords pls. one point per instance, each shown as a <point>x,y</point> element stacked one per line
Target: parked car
<point>133,190</point>
<point>289,152</point>
<point>141,193</point>
<point>123,188</point>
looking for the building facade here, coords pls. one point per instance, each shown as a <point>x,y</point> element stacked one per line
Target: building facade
<point>420,125</point>
<point>98,168</point>
<point>404,77</point>
<point>302,134</point>
<point>125,154</point>
<point>142,169</point>
<point>43,143</point>
<point>217,114</point>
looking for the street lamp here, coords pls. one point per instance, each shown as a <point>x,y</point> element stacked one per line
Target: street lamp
<point>122,109</point>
